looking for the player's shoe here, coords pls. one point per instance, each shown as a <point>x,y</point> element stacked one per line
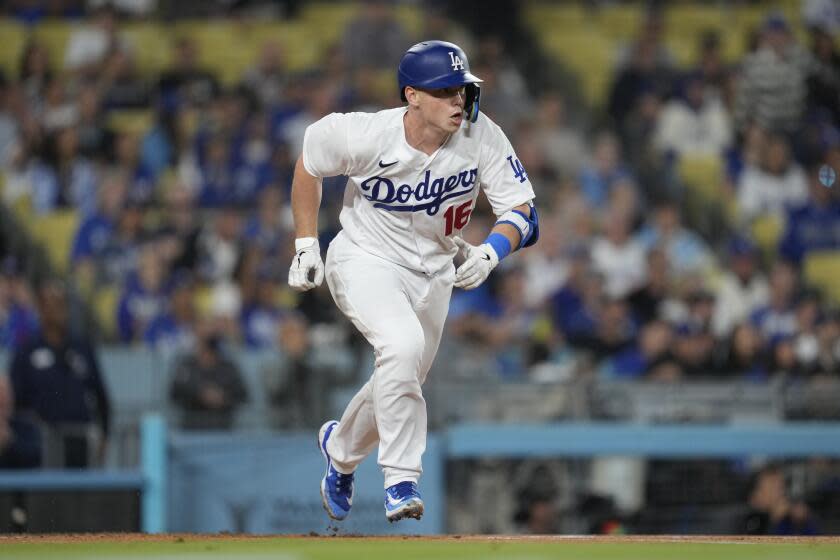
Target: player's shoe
<point>336,488</point>
<point>403,500</point>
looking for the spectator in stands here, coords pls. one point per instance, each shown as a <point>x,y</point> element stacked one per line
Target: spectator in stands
<point>775,185</point>
<point>268,228</point>
<point>815,224</point>
<point>652,346</point>
<point>206,386</point>
<point>777,320</point>
<point>260,315</point>
<point>8,124</point>
<point>217,174</point>
<point>694,342</point>
<point>772,511</point>
<point>219,246</point>
<point>267,79</point>
<point>63,178</point>
<point>252,171</point>
<point>18,321</point>
<point>320,101</point>
<point>20,440</point>
<point>574,306</point>
<point>120,82</point>
<point>172,332</point>
<point>618,257</point>
<point>94,135</point>
<point>824,79</point>
<point>141,179</point>
<point>687,252</point>
<point>185,83</point>
<point>96,232</point>
<point>56,377</point>
<point>598,178</point>
<point>645,68</point>
<point>647,300</point>
<point>297,383</point>
<point>743,354</point>
<point>711,65</point>
<point>144,296</point>
<point>375,37</point>
<point>563,144</point>
<point>742,289</point>
<point>89,46</point>
<point>695,123</point>
<point>35,73</point>
<point>58,111</point>
<point>772,90</point>
<point>614,331</point>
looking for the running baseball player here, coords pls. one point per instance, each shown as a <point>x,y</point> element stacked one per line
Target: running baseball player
<point>413,179</point>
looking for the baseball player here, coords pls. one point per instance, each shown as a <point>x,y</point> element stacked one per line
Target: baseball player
<point>413,178</point>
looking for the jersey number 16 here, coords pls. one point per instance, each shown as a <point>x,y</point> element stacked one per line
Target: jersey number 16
<point>457,216</point>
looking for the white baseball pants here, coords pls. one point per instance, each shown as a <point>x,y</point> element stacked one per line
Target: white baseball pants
<point>401,313</point>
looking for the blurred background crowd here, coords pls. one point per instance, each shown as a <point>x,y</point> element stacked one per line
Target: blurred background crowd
<point>684,157</point>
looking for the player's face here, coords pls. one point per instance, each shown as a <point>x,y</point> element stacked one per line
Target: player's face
<point>443,108</point>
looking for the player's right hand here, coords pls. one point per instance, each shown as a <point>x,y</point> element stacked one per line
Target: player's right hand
<point>307,260</point>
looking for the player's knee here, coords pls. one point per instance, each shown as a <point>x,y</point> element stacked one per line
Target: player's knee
<point>406,352</point>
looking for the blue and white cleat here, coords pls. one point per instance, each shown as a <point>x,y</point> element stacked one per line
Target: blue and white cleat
<point>403,500</point>
<point>336,488</point>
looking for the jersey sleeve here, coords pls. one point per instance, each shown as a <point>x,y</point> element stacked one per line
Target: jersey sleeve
<point>501,175</point>
<point>326,151</point>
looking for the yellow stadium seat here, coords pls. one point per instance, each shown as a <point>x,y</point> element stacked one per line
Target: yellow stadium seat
<point>14,39</point>
<point>620,21</point>
<point>105,309</point>
<point>55,233</point>
<point>767,230</point>
<point>54,35</point>
<point>134,121</point>
<point>587,54</point>
<point>150,45</point>
<point>563,16</point>
<point>822,270</point>
<point>702,175</point>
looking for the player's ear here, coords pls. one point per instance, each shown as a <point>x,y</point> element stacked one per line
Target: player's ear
<point>412,96</point>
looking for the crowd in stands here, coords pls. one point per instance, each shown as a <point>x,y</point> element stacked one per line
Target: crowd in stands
<point>188,221</point>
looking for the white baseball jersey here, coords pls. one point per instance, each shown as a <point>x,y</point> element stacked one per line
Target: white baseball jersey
<point>402,204</point>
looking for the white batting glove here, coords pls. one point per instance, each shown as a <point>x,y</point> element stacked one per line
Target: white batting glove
<point>307,259</point>
<point>477,266</point>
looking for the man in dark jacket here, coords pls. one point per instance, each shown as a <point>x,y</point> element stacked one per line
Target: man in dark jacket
<point>55,377</point>
<point>206,385</point>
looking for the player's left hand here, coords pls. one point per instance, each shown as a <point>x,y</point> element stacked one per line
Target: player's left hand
<point>477,266</point>
<point>307,260</point>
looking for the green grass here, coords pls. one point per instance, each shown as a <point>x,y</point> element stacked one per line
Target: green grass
<point>187,548</point>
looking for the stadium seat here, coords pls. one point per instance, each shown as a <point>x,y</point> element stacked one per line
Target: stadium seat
<point>822,270</point>
<point>589,55</point>
<point>150,45</point>
<point>55,233</point>
<point>619,21</point>
<point>14,39</point>
<point>134,121</point>
<point>105,309</point>
<point>703,175</point>
<point>767,230</point>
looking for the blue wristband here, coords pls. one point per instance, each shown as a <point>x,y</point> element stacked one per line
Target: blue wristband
<point>500,244</point>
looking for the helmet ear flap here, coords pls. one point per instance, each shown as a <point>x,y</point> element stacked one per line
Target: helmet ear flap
<point>471,101</point>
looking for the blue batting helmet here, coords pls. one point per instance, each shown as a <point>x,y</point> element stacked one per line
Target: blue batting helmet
<point>438,65</point>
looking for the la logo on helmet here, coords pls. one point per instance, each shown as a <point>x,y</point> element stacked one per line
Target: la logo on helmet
<point>457,63</point>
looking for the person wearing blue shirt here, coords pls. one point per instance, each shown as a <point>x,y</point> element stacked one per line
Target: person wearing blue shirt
<point>815,225</point>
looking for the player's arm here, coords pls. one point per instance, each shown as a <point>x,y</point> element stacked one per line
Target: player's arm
<point>306,200</point>
<point>515,229</point>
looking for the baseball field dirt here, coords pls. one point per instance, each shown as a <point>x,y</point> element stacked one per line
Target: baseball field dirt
<point>456,547</point>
